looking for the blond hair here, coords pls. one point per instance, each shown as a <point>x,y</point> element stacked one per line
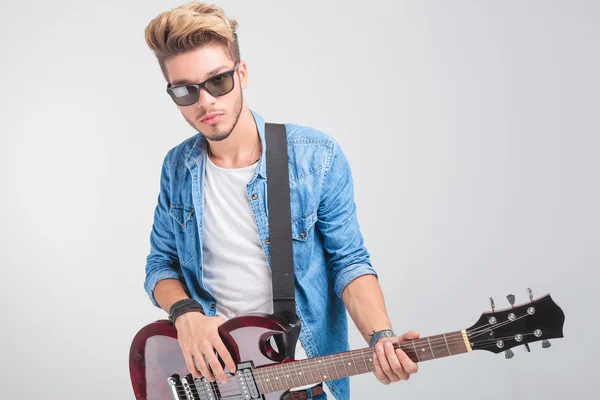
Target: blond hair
<point>188,27</point>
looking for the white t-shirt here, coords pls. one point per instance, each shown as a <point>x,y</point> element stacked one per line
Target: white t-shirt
<point>235,267</point>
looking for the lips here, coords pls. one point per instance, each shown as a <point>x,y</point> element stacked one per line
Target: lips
<point>211,118</point>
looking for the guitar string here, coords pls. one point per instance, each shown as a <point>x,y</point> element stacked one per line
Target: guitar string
<point>496,326</point>
<point>268,386</point>
<point>453,340</point>
<point>263,374</point>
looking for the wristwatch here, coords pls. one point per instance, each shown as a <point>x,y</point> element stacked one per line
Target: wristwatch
<point>381,334</point>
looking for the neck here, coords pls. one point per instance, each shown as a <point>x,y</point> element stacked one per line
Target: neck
<point>241,148</point>
<point>279,377</point>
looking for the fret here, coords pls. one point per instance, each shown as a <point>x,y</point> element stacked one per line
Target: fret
<point>370,363</point>
<point>323,364</point>
<point>448,347</point>
<point>272,378</point>
<point>305,365</point>
<point>344,364</point>
<point>416,352</point>
<point>259,382</point>
<point>335,367</point>
<point>289,375</point>
<point>354,362</point>
<point>279,375</point>
<point>312,364</point>
<point>459,346</point>
<point>322,376</point>
<point>295,374</point>
<point>268,384</point>
<point>421,353</point>
<point>365,361</point>
<point>430,348</point>
<point>302,373</point>
<point>326,376</point>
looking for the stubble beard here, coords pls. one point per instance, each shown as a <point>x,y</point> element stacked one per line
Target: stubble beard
<point>217,134</point>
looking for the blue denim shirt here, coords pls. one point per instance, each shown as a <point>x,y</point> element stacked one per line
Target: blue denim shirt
<point>328,247</point>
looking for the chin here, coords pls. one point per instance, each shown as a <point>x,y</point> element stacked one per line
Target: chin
<point>217,132</point>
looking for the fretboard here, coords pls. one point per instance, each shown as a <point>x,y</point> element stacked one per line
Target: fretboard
<point>279,377</point>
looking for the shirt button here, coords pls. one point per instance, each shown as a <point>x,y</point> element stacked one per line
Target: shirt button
<point>254,196</point>
<point>268,241</point>
<point>302,235</point>
<point>195,177</point>
<point>212,306</point>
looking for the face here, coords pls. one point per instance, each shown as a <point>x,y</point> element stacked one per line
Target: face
<point>214,116</point>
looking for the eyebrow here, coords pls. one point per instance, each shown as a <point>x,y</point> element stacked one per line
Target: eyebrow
<point>211,73</point>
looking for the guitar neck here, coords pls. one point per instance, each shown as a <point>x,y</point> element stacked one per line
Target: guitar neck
<point>279,377</point>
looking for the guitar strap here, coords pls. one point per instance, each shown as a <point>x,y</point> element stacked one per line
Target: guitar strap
<point>280,223</point>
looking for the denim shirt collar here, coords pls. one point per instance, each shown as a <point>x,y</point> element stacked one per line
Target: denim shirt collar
<point>200,145</point>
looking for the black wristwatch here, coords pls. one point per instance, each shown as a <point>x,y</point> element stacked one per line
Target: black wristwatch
<point>380,334</point>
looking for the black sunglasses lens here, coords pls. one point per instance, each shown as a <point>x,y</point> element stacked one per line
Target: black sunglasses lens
<point>220,85</point>
<point>184,95</point>
<point>216,86</point>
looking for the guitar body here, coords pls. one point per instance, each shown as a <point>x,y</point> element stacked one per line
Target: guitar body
<point>155,356</point>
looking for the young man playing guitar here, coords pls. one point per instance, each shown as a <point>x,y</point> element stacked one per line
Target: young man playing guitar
<point>210,254</point>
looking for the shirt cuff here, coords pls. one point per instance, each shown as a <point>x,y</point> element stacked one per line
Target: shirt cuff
<point>350,273</point>
<point>154,278</point>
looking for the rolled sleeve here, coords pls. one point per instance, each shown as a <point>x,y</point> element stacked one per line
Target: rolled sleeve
<point>350,273</point>
<point>163,261</point>
<point>338,223</point>
<point>153,278</point>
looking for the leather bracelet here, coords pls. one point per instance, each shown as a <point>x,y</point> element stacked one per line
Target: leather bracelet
<point>380,334</point>
<point>184,306</point>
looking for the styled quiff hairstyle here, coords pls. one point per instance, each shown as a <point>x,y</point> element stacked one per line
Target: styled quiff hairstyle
<point>189,27</point>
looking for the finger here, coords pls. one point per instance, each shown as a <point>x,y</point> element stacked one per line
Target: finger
<point>215,366</point>
<point>394,362</point>
<point>225,355</point>
<point>410,335</point>
<point>408,364</point>
<point>385,366</point>
<point>189,362</point>
<point>378,372</point>
<point>201,365</point>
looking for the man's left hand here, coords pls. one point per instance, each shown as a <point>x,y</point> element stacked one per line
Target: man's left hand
<point>393,366</point>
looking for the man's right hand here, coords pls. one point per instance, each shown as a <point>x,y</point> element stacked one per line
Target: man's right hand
<point>198,337</point>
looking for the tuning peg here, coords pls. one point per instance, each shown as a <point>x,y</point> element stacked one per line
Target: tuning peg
<point>492,303</point>
<point>509,354</point>
<point>527,347</point>
<point>511,299</point>
<point>530,293</point>
<point>546,343</point>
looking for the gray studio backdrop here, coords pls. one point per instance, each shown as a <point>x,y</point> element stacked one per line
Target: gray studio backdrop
<point>471,127</point>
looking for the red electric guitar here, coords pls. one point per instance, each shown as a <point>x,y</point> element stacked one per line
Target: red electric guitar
<point>158,370</point>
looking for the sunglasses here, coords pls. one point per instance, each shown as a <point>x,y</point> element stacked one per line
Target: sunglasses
<point>218,85</point>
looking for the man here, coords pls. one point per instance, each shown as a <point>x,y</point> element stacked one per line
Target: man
<point>210,238</point>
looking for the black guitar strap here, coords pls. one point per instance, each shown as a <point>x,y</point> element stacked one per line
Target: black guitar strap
<point>280,223</point>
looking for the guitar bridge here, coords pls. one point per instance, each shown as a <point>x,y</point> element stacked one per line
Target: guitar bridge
<point>188,388</point>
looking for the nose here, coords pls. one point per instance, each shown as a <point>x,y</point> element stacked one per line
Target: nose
<point>205,100</point>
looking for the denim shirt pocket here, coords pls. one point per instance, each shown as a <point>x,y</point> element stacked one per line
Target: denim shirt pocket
<point>184,231</point>
<point>302,240</point>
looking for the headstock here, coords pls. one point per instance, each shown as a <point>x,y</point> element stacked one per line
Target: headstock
<point>501,330</point>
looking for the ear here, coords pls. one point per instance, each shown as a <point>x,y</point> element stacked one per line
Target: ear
<point>243,74</point>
